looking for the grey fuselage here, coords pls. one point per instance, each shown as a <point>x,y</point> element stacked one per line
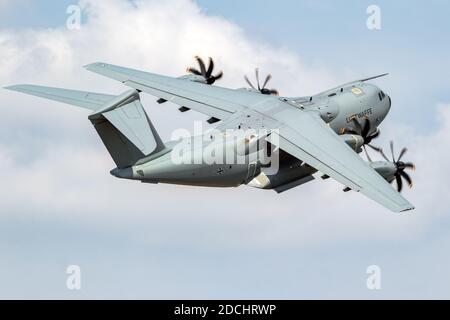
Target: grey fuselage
<point>361,100</point>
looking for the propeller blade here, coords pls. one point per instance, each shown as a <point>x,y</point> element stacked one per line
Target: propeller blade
<point>206,74</point>
<point>202,66</point>
<point>194,71</point>
<point>384,155</point>
<point>358,127</point>
<point>218,76</point>
<point>211,80</point>
<point>374,148</point>
<point>410,165</point>
<point>375,135</point>
<point>399,183</point>
<point>402,153</point>
<point>274,92</point>
<point>262,89</point>
<point>249,83</point>
<point>257,78</point>
<point>366,128</point>
<point>210,68</point>
<point>367,154</point>
<point>392,151</point>
<point>407,178</point>
<point>349,130</point>
<point>269,76</point>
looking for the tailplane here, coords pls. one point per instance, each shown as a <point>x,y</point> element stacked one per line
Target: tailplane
<point>120,121</point>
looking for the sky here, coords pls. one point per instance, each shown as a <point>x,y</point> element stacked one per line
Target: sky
<point>59,206</point>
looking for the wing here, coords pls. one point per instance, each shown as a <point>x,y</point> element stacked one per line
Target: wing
<point>301,133</point>
<point>214,101</point>
<point>304,135</point>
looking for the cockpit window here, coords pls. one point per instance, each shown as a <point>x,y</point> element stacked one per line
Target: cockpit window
<point>381,95</point>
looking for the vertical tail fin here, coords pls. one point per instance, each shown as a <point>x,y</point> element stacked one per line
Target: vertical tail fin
<point>126,130</point>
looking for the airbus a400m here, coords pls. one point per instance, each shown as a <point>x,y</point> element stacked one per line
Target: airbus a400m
<point>322,133</point>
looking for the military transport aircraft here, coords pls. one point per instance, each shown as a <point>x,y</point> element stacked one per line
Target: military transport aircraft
<point>324,132</point>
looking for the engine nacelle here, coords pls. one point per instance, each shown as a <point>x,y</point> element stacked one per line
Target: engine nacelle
<point>354,141</point>
<point>385,169</point>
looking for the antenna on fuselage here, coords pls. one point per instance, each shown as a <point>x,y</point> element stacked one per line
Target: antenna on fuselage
<point>352,83</point>
<point>371,78</point>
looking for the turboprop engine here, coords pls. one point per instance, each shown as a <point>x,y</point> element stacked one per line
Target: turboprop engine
<point>394,170</point>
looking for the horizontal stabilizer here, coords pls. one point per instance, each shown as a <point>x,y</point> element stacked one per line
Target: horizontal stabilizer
<point>87,100</point>
<point>121,121</point>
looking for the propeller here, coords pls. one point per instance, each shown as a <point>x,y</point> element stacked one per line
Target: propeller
<point>365,132</point>
<point>206,72</point>
<point>400,166</point>
<point>262,88</point>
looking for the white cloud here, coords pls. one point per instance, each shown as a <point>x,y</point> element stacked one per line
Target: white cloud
<point>54,167</point>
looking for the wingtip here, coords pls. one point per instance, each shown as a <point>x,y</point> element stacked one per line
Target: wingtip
<point>15,87</point>
<point>95,64</point>
<point>408,209</point>
<point>88,66</point>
